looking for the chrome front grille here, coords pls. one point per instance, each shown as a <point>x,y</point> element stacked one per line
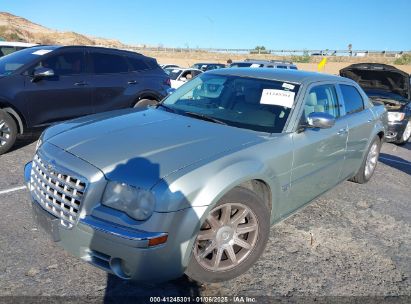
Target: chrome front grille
<point>58,193</point>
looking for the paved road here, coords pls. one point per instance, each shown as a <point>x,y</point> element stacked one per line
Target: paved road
<point>353,241</point>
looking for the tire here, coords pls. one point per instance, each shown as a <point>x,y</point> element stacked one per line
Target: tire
<point>369,162</point>
<point>8,132</point>
<point>145,103</point>
<point>405,135</point>
<point>253,238</point>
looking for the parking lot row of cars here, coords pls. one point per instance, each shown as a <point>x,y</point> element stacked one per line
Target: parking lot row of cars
<point>197,178</point>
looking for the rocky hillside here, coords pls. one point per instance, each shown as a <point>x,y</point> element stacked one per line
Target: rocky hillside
<point>14,28</point>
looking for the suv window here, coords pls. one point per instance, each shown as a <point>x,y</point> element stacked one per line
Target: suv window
<point>138,64</point>
<point>323,99</point>
<point>352,99</point>
<point>67,63</point>
<point>104,63</point>
<point>281,66</point>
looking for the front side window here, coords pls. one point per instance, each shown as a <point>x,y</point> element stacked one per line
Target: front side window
<point>14,61</point>
<point>352,99</point>
<point>67,63</point>
<point>250,103</point>
<point>104,63</point>
<point>322,99</point>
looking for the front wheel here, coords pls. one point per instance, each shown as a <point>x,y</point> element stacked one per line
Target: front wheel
<point>406,135</point>
<point>8,132</point>
<point>145,103</point>
<point>231,239</point>
<point>369,163</point>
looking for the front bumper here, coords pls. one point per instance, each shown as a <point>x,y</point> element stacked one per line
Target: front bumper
<point>121,250</point>
<point>395,130</point>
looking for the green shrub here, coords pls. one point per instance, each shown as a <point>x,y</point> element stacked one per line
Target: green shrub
<point>404,59</point>
<point>305,58</point>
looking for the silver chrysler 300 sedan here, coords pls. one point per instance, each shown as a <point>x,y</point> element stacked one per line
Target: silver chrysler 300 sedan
<point>192,185</point>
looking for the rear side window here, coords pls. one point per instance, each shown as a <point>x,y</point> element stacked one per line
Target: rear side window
<point>138,64</point>
<point>104,63</point>
<point>67,63</point>
<point>352,99</point>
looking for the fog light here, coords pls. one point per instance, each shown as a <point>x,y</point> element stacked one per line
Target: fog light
<point>120,269</point>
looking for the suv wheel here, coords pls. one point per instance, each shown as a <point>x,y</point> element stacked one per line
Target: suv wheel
<point>145,103</point>
<point>406,135</point>
<point>231,239</point>
<point>8,132</point>
<point>369,163</point>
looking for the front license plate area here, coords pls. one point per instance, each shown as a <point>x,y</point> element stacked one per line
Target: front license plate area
<point>46,222</point>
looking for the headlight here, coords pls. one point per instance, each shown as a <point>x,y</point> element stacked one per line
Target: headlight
<point>39,141</point>
<point>137,203</point>
<point>395,116</point>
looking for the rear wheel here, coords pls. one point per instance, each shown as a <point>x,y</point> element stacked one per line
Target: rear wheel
<point>406,135</point>
<point>369,163</point>
<point>231,239</point>
<point>8,132</point>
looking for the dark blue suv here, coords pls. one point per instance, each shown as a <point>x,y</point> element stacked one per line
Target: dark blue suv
<point>43,85</point>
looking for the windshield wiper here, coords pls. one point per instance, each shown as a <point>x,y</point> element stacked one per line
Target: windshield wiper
<point>165,107</point>
<point>205,117</point>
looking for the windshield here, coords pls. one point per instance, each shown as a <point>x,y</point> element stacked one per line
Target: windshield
<point>10,63</point>
<point>173,73</point>
<point>250,103</point>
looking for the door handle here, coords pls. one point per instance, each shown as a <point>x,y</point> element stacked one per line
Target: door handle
<point>132,82</point>
<point>342,131</point>
<point>81,84</point>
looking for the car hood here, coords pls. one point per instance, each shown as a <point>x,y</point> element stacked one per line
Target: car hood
<point>379,77</point>
<point>141,147</point>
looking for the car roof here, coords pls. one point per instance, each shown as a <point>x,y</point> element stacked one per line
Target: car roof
<point>183,69</point>
<point>55,47</point>
<point>16,43</point>
<point>294,76</point>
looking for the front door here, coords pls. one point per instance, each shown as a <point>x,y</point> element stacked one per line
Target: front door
<point>60,97</point>
<point>318,153</point>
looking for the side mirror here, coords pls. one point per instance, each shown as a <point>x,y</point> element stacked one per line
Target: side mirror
<point>320,120</point>
<point>183,79</point>
<point>41,73</point>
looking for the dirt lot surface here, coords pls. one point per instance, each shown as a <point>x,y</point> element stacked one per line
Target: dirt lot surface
<point>332,67</point>
<point>353,242</point>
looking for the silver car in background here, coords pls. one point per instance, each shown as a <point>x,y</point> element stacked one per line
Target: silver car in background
<point>193,184</point>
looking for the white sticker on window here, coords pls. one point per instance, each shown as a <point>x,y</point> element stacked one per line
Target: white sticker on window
<point>41,52</point>
<point>255,65</point>
<point>175,71</point>
<point>288,86</point>
<point>203,66</point>
<point>277,98</point>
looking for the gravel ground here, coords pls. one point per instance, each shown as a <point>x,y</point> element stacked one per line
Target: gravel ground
<point>353,243</point>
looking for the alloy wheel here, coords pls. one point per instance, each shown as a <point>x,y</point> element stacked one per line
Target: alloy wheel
<point>407,132</point>
<point>227,237</point>
<point>5,132</point>
<point>371,161</point>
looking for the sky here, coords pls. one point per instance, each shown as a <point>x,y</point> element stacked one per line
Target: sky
<point>293,24</point>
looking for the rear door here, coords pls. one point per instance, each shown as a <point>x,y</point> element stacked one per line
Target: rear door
<point>63,96</point>
<point>110,78</point>
<point>360,121</point>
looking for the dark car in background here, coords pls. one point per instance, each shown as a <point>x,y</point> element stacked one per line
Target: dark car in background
<point>47,84</point>
<point>387,85</point>
<point>204,66</point>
